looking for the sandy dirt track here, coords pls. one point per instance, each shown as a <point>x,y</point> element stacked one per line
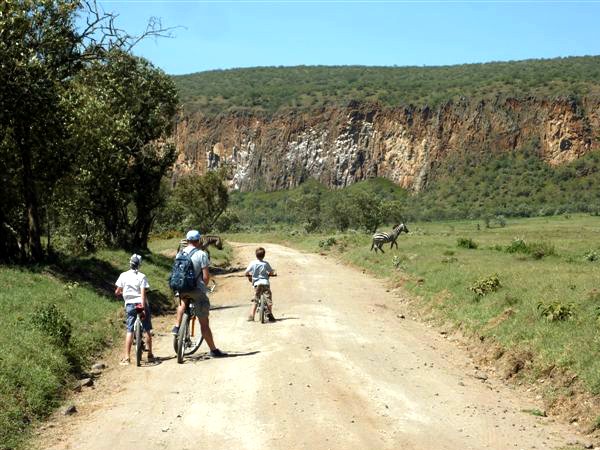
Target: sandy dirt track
<point>339,370</point>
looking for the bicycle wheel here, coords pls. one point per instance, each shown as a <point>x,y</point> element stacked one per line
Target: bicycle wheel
<point>139,343</point>
<point>194,337</point>
<point>182,337</point>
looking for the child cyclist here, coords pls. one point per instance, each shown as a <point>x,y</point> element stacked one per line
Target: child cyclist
<point>133,284</point>
<point>258,273</point>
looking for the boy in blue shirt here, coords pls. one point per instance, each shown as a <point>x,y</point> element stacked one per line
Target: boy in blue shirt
<point>258,273</point>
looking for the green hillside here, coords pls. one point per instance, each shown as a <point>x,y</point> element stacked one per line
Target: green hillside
<point>269,89</point>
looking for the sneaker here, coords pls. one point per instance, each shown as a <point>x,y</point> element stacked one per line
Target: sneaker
<point>250,319</point>
<point>175,331</point>
<point>272,318</point>
<point>124,362</point>
<point>216,353</point>
<point>151,358</point>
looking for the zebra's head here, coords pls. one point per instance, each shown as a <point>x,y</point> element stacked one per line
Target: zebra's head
<point>400,228</point>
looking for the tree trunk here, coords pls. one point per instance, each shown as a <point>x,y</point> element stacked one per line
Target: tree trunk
<point>34,241</point>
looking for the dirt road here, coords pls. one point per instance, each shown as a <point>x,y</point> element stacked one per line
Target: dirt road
<point>339,370</point>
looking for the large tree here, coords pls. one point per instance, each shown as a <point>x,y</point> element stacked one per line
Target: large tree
<point>201,199</point>
<point>123,120</point>
<point>41,52</point>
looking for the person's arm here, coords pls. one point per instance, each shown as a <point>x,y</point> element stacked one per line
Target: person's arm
<point>205,275</point>
<point>143,292</point>
<point>118,291</point>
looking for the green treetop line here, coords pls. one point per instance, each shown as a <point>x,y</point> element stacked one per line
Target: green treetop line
<point>267,90</point>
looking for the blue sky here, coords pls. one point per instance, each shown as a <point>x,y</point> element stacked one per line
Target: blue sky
<point>227,34</point>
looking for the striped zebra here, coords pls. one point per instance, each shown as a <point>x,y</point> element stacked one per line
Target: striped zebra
<point>380,238</point>
<point>205,241</point>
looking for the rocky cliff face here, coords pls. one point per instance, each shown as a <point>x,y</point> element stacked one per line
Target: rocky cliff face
<point>339,146</point>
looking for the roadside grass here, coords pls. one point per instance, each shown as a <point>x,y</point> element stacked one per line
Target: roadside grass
<point>36,368</point>
<point>431,265</point>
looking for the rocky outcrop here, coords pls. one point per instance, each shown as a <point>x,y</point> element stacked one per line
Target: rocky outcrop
<point>339,146</point>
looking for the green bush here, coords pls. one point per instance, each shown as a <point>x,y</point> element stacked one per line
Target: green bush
<point>518,245</point>
<point>591,256</point>
<point>327,243</point>
<point>540,249</point>
<point>486,285</point>
<point>556,311</point>
<point>50,320</point>
<point>399,262</point>
<point>466,243</point>
<point>536,249</point>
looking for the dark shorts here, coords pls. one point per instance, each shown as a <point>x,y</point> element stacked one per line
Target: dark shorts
<point>131,314</point>
<point>200,301</point>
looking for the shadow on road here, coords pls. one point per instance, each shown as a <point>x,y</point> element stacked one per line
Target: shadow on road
<point>218,307</point>
<point>206,356</point>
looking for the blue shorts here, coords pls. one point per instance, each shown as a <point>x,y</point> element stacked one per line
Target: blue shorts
<point>131,314</point>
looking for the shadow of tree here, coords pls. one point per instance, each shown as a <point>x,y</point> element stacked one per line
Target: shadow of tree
<point>101,275</point>
<point>97,274</point>
<point>159,260</point>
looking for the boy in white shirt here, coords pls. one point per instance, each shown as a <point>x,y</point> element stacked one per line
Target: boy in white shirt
<point>258,273</point>
<point>133,284</point>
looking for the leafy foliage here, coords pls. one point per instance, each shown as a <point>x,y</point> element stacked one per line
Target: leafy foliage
<point>197,201</point>
<point>124,114</point>
<point>556,311</point>
<point>76,110</point>
<point>486,285</point>
<point>466,243</point>
<point>50,320</point>
<point>327,243</point>
<point>536,249</point>
<point>271,89</point>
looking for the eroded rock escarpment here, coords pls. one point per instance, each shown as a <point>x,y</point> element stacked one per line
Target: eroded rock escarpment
<point>339,146</point>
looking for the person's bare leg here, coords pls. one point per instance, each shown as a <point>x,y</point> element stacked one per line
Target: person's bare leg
<point>206,332</point>
<point>253,310</point>
<point>149,343</point>
<point>180,309</point>
<point>128,341</point>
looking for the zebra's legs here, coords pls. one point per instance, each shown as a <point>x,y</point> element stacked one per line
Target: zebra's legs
<point>379,246</point>
<point>393,243</point>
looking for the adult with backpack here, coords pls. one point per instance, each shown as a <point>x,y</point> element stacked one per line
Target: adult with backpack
<point>189,278</point>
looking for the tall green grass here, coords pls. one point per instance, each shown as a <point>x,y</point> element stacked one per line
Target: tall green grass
<point>37,361</point>
<point>553,269</point>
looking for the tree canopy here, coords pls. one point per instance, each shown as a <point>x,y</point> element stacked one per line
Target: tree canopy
<point>75,107</point>
<point>266,90</point>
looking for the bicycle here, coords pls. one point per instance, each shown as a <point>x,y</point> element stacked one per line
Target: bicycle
<point>262,306</point>
<point>188,339</point>
<point>138,330</point>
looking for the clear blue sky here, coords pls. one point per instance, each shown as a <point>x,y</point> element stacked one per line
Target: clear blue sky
<point>227,34</point>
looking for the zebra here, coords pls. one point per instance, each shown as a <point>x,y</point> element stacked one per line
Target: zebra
<point>205,241</point>
<point>208,239</point>
<point>380,238</point>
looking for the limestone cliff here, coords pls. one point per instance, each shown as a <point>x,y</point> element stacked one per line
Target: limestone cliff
<point>339,146</point>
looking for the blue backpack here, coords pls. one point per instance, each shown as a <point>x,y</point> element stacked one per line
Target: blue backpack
<point>183,278</point>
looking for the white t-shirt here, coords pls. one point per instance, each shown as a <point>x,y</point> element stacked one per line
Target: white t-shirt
<point>132,283</point>
<point>260,271</point>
